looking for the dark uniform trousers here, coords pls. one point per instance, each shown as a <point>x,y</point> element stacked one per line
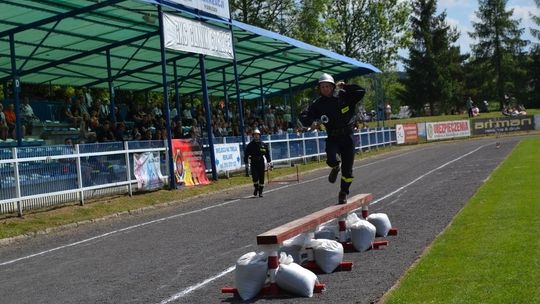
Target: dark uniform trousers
<point>344,146</point>
<point>257,172</point>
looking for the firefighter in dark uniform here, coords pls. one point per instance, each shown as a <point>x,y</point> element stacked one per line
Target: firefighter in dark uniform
<point>335,109</point>
<point>257,150</point>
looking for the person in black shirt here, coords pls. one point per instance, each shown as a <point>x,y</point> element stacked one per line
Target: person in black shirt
<point>255,151</point>
<point>335,109</point>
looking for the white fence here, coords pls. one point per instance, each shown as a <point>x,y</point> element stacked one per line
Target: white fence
<point>45,176</point>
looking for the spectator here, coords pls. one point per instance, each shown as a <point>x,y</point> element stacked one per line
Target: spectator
<point>3,124</point>
<point>28,116</point>
<point>104,111</point>
<point>388,111</point>
<point>469,103</point>
<point>87,97</point>
<point>66,114</point>
<point>104,132</point>
<point>11,120</point>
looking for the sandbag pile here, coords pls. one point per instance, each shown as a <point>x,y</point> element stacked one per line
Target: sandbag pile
<point>328,231</point>
<point>362,235</point>
<point>295,278</point>
<point>328,254</point>
<point>250,274</point>
<point>381,223</point>
<point>296,247</point>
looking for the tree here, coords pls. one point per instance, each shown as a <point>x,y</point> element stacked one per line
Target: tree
<point>369,30</point>
<point>536,19</point>
<point>434,71</point>
<point>534,67</point>
<point>499,46</point>
<point>273,15</point>
<point>308,25</point>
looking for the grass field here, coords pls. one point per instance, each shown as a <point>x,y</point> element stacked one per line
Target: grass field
<point>491,251</point>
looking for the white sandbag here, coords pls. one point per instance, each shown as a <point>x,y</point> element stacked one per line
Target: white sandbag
<point>295,279</point>
<point>296,247</point>
<point>328,254</point>
<point>362,235</point>
<point>352,218</point>
<point>250,274</point>
<point>327,231</point>
<point>381,222</point>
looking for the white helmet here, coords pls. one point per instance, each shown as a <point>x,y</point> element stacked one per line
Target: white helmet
<point>256,131</point>
<point>326,78</point>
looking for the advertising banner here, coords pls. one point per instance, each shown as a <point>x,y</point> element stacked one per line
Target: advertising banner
<point>214,7</point>
<point>406,134</point>
<point>503,124</point>
<point>447,129</point>
<point>186,35</point>
<point>227,157</point>
<point>147,171</point>
<point>188,162</point>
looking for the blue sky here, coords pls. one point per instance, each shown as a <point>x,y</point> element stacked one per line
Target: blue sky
<point>461,13</point>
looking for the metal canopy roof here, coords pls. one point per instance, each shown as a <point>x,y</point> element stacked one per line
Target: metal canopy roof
<point>65,42</point>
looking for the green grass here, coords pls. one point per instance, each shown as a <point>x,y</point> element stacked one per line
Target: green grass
<point>491,251</point>
<point>40,220</point>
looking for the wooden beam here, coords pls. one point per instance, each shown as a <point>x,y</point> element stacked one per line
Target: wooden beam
<point>311,221</point>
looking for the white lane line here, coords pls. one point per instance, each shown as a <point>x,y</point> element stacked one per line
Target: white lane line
<point>197,286</point>
<point>424,175</point>
<point>117,231</point>
<point>171,217</point>
<point>209,280</point>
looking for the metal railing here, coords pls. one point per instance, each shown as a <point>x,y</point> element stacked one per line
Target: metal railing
<point>45,176</point>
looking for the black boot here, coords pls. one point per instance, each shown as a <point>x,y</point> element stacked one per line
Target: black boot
<point>260,191</point>
<point>256,186</point>
<point>342,198</point>
<point>333,174</point>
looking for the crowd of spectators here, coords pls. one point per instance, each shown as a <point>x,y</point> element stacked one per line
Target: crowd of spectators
<point>92,117</point>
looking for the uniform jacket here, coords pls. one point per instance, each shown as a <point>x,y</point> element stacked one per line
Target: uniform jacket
<point>257,150</point>
<point>339,109</point>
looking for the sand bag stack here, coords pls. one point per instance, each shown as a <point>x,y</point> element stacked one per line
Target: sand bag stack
<point>328,254</point>
<point>250,274</point>
<point>362,235</point>
<point>381,223</point>
<point>295,278</point>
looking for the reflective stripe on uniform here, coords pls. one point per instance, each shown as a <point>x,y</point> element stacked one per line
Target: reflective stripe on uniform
<point>347,179</point>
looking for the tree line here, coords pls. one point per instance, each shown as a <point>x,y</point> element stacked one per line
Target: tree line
<point>502,67</point>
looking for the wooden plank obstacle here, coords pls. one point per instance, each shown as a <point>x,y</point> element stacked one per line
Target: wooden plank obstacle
<point>271,240</point>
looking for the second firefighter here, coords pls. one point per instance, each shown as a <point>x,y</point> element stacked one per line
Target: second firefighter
<point>256,152</point>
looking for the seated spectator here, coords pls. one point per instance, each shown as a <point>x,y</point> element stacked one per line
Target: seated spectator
<point>104,111</point>
<point>475,111</point>
<point>117,114</point>
<point>521,110</point>
<point>86,134</point>
<point>3,124</point>
<point>104,133</point>
<point>120,131</point>
<point>94,120</point>
<point>28,116</point>
<point>11,120</point>
<point>66,114</point>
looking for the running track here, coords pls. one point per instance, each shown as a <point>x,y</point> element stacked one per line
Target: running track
<point>186,253</point>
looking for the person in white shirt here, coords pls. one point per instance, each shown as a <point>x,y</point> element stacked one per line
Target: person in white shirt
<point>28,116</point>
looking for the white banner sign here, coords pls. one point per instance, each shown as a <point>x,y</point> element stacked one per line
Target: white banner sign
<point>196,37</point>
<point>147,171</point>
<point>227,157</point>
<point>448,129</point>
<point>215,7</point>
